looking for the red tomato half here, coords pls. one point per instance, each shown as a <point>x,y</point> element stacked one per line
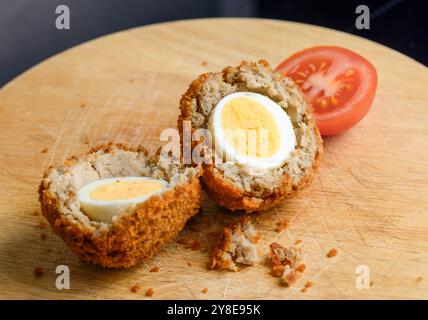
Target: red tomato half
<point>338,83</point>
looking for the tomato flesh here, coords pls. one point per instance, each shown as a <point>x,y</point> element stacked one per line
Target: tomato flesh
<point>339,84</point>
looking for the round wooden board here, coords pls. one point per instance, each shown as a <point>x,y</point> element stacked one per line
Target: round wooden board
<point>369,199</point>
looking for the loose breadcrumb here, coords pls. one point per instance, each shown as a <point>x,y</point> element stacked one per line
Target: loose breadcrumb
<point>371,283</point>
<point>43,236</point>
<point>281,225</point>
<point>205,290</point>
<point>308,284</point>
<point>82,105</point>
<point>332,253</point>
<point>237,245</point>
<point>154,269</point>
<point>298,241</point>
<point>36,213</point>
<point>44,150</point>
<point>189,264</point>
<point>150,292</point>
<point>38,272</point>
<point>135,288</point>
<point>286,263</point>
<point>419,279</point>
<point>204,63</point>
<point>281,257</point>
<point>289,276</point>
<point>301,268</point>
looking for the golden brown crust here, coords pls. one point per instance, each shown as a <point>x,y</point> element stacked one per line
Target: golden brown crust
<point>226,194</point>
<point>221,189</point>
<point>132,237</point>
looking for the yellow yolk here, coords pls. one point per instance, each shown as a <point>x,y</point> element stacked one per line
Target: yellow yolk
<point>260,132</point>
<point>125,190</point>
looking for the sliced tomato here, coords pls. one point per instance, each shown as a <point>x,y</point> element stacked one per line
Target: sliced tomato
<point>338,83</point>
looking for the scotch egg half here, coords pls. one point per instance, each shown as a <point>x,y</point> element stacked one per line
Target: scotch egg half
<point>252,130</point>
<point>101,200</point>
<point>117,205</point>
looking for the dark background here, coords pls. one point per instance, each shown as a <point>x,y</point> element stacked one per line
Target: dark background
<point>28,34</point>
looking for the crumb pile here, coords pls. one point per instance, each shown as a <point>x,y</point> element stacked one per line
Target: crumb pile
<point>286,263</point>
<point>236,246</point>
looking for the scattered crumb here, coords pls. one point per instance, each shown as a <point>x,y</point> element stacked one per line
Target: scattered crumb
<point>149,292</point>
<point>189,264</point>
<point>281,257</point>
<point>204,63</point>
<point>135,288</point>
<point>131,80</point>
<point>49,250</point>
<point>38,272</point>
<point>154,269</point>
<point>281,225</point>
<point>36,213</point>
<point>308,284</point>
<point>205,290</point>
<point>236,245</point>
<point>371,283</point>
<point>82,105</point>
<point>44,150</point>
<point>332,253</point>
<point>286,263</point>
<point>301,268</point>
<point>419,279</point>
<point>289,276</point>
<point>43,224</point>
<point>43,236</point>
<point>298,241</point>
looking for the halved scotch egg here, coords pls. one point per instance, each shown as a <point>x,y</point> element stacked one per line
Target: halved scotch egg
<point>115,205</point>
<point>264,144</point>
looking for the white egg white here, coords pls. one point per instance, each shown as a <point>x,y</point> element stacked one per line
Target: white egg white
<point>105,210</point>
<point>287,137</point>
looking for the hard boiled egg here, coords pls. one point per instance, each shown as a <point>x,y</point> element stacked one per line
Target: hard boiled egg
<point>103,199</point>
<point>252,130</point>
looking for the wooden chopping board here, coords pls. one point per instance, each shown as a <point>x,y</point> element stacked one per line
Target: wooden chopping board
<point>369,199</point>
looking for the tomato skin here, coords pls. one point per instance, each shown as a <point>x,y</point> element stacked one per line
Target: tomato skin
<point>350,107</point>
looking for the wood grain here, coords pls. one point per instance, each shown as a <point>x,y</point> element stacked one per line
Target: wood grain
<point>369,200</point>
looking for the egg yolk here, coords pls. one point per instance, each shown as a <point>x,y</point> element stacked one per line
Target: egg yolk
<point>250,128</point>
<point>124,190</point>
